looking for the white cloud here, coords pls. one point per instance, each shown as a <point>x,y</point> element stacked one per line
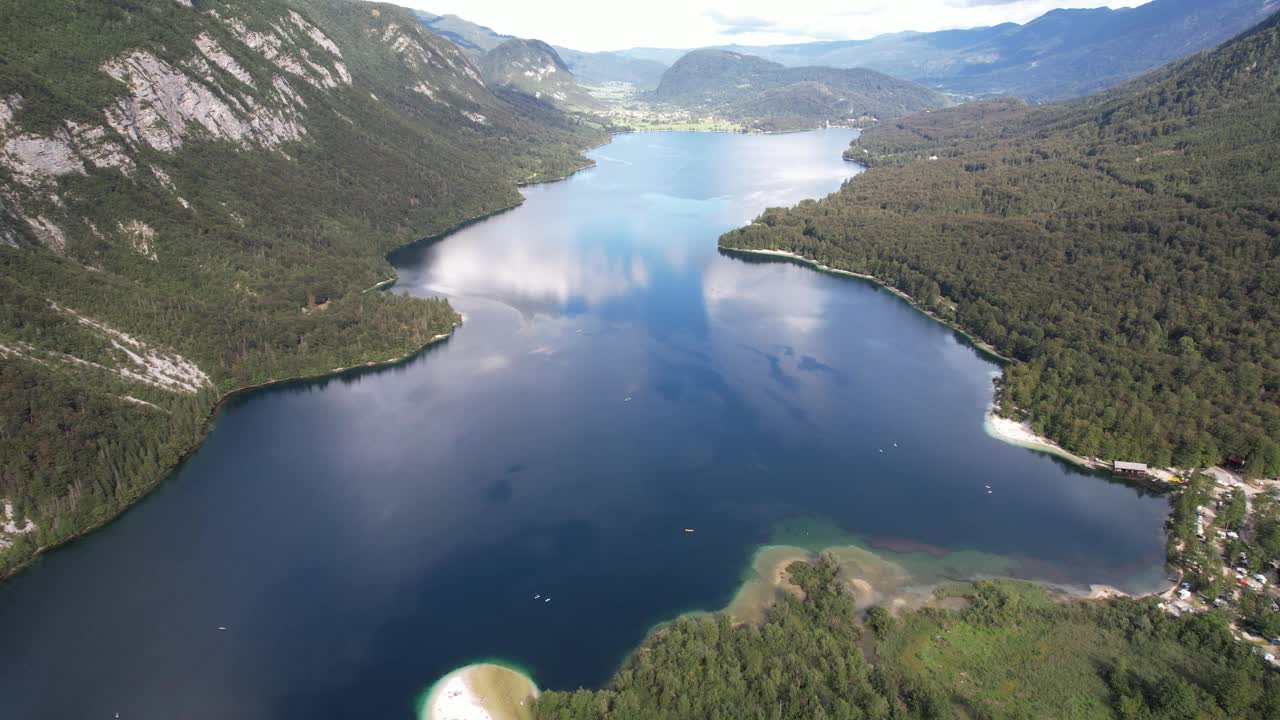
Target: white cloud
<point>594,25</point>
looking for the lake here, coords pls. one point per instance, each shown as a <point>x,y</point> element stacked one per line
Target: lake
<point>617,380</point>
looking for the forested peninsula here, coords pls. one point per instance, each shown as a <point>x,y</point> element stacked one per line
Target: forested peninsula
<point>196,198</point>
<point>1013,651</point>
<point>1123,248</point>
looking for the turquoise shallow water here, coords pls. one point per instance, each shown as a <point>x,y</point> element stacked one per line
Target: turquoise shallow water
<point>616,381</point>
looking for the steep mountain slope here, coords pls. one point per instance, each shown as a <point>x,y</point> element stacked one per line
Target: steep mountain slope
<point>766,95</point>
<point>193,198</point>
<point>534,68</point>
<point>1125,248</point>
<point>1064,53</point>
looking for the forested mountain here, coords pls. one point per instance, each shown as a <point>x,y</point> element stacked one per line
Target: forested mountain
<point>1011,653</point>
<point>1124,248</point>
<point>1063,53</point>
<point>195,197</point>
<point>534,68</point>
<point>766,95</point>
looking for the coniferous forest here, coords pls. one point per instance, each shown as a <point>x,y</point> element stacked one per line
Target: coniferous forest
<point>1123,249</point>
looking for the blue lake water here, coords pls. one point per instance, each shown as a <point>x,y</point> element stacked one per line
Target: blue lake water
<point>616,381</point>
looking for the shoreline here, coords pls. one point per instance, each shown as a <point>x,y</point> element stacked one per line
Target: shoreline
<point>544,181</point>
<point>973,340</point>
<point>1000,428</point>
<point>335,372</point>
<point>467,222</point>
<point>874,578</point>
<point>1017,433</point>
<point>206,426</point>
<point>743,130</point>
<point>1020,434</point>
<point>881,577</point>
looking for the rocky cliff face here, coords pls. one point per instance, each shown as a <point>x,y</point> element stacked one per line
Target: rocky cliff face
<point>207,94</point>
<point>164,105</point>
<point>239,85</point>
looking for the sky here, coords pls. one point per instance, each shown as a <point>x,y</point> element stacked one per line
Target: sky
<point>612,25</point>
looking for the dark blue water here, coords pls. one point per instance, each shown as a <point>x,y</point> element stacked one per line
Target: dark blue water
<point>616,381</point>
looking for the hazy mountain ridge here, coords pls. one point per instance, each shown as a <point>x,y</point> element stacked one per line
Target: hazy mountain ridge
<point>194,198</point>
<point>592,68</point>
<point>1063,53</point>
<point>1072,52</point>
<point>471,37</point>
<point>770,96</point>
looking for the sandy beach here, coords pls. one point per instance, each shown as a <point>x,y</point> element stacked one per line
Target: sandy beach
<point>481,692</point>
<point>898,581</point>
<point>765,583</point>
<point>872,578</point>
<point>1021,434</point>
<point>1105,592</point>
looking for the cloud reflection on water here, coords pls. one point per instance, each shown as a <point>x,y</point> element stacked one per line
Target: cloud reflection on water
<point>535,272</point>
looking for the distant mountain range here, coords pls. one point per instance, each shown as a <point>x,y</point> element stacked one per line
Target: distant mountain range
<point>1063,53</point>
<point>592,68</point>
<point>766,95</point>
